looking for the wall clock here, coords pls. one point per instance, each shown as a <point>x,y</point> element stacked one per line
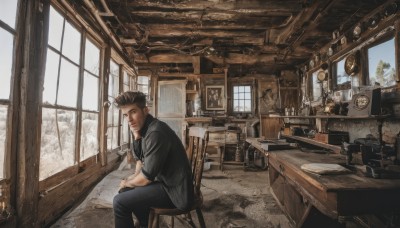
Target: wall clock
<point>321,76</point>
<point>361,101</point>
<point>351,64</point>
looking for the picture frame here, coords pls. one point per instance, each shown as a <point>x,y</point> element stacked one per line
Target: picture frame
<point>214,97</point>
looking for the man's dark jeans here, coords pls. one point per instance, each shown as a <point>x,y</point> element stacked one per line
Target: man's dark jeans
<point>138,201</point>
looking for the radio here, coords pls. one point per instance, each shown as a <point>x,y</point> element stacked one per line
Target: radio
<point>366,102</point>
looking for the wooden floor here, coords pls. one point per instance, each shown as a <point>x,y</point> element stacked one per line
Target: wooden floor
<point>233,198</point>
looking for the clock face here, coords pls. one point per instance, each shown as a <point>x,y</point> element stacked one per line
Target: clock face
<point>350,65</point>
<point>321,75</point>
<point>361,101</point>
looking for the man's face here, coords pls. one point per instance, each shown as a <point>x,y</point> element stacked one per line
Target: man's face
<point>135,116</point>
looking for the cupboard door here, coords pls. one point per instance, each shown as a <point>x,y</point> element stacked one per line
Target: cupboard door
<point>171,106</point>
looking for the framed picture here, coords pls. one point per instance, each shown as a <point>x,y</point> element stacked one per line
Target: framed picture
<point>214,97</point>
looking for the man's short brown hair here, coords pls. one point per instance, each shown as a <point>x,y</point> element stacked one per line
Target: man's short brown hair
<point>131,97</point>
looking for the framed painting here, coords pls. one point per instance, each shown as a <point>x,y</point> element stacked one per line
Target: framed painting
<point>214,97</point>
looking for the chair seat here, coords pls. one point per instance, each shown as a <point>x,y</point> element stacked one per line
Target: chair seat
<point>198,202</point>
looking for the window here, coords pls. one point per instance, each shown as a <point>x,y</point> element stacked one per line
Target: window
<point>316,87</point>
<point>8,14</point>
<point>90,102</point>
<point>143,84</point>
<point>113,111</point>
<point>125,128</point>
<point>342,78</point>
<point>242,99</point>
<point>381,64</point>
<point>63,102</point>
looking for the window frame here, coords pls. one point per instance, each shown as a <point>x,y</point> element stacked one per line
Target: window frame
<point>382,39</point>
<point>78,164</point>
<point>251,98</point>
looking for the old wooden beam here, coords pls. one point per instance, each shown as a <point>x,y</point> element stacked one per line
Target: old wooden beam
<point>249,6</point>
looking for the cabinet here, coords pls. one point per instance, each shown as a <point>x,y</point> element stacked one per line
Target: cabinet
<point>270,126</point>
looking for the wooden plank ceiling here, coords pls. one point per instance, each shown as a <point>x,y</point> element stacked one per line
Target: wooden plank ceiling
<point>249,36</point>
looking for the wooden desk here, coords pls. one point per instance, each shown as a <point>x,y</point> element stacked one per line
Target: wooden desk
<point>352,194</point>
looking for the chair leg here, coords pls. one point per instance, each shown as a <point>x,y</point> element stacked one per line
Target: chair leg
<point>201,218</point>
<point>151,219</point>
<point>172,221</point>
<point>156,221</point>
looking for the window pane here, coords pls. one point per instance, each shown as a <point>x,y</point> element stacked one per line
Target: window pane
<point>50,78</point>
<point>247,89</point>
<point>3,133</point>
<point>57,148</point>
<point>143,80</point>
<point>55,29</point>
<point>241,95</point>
<point>316,87</point>
<point>110,116</point>
<point>381,62</point>
<point>126,88</point>
<point>235,89</point>
<point>241,89</point>
<point>89,139</point>
<point>109,138</point>
<point>114,68</point>
<point>6,55</point>
<point>125,132</point>
<point>90,92</point>
<point>8,12</point>
<point>71,43</point>
<point>247,105</point>
<point>143,88</point>
<point>341,75</point>
<point>114,137</point>
<point>115,116</point>
<point>92,57</point>
<point>68,86</point>
<point>126,78</point>
<point>115,86</point>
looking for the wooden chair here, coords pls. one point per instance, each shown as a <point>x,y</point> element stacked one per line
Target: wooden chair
<point>198,139</point>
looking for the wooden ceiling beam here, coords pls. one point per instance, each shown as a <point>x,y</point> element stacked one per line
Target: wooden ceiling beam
<point>248,6</point>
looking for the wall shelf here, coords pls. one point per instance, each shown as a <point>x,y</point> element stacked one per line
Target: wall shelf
<point>336,149</point>
<point>337,117</point>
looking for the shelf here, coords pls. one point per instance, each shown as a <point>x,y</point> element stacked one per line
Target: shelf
<point>336,149</point>
<point>336,117</point>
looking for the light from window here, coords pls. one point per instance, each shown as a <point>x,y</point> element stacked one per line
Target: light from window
<point>8,12</point>
<point>381,64</point>
<point>91,80</point>
<point>3,133</point>
<point>143,84</point>
<point>242,99</point>
<point>71,42</point>
<point>6,54</point>
<point>68,84</point>
<point>8,15</point>
<point>89,141</point>
<point>316,87</point>
<point>341,76</point>
<point>57,147</point>
<point>113,112</point>
<point>92,58</point>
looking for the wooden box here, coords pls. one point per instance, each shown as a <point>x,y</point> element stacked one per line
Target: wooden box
<point>332,137</point>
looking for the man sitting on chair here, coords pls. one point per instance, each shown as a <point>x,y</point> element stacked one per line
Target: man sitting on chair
<point>163,175</point>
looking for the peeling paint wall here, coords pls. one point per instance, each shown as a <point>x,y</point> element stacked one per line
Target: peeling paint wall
<point>362,127</point>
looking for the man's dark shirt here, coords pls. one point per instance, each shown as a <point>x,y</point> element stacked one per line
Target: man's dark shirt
<point>164,159</point>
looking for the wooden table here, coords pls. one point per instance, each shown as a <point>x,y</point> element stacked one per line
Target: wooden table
<point>300,192</point>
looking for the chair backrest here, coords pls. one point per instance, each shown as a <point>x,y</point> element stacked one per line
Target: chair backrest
<point>198,139</point>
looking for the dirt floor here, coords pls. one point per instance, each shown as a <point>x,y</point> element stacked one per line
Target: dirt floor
<point>233,199</point>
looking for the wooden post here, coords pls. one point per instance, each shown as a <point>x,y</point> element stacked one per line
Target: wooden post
<point>31,51</point>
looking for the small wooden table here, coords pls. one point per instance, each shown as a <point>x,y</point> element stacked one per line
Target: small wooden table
<point>351,194</point>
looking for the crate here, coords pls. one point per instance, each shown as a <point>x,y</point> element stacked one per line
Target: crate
<point>333,137</point>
